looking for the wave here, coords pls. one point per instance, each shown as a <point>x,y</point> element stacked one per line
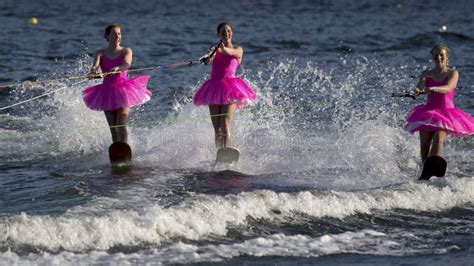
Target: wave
<point>277,245</point>
<point>202,216</point>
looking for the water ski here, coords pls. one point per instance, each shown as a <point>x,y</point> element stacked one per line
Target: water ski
<point>227,155</point>
<point>434,166</point>
<point>120,152</point>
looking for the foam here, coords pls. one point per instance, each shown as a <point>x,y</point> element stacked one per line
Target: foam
<point>280,245</point>
<point>201,216</point>
<point>340,144</point>
<point>333,129</point>
<point>57,125</point>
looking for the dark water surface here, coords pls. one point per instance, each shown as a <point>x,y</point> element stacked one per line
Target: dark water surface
<point>327,173</point>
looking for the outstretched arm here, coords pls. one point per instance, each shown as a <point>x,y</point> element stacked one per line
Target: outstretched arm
<point>237,52</point>
<point>96,63</point>
<point>127,61</point>
<point>95,69</point>
<point>209,56</point>
<point>452,83</point>
<point>420,87</point>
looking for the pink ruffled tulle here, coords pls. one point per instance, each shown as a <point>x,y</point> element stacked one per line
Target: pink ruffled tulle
<point>439,113</point>
<point>224,91</point>
<point>224,87</point>
<point>118,93</point>
<point>455,121</point>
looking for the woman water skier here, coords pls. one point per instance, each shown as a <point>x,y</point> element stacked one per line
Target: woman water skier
<point>224,92</point>
<point>438,118</point>
<point>117,93</point>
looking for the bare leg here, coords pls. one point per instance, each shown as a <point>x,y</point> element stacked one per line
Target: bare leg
<point>226,123</point>
<point>111,118</point>
<point>117,121</point>
<point>438,143</point>
<point>215,111</point>
<point>121,122</point>
<point>425,144</point>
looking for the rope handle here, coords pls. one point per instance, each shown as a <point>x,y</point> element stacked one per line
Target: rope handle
<point>407,94</point>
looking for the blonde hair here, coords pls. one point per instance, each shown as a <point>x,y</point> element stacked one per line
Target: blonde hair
<point>441,46</point>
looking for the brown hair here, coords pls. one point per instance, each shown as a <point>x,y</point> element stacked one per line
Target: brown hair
<point>109,28</point>
<point>221,25</point>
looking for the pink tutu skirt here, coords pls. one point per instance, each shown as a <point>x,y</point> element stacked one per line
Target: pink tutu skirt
<point>224,91</point>
<point>455,121</point>
<point>117,92</point>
